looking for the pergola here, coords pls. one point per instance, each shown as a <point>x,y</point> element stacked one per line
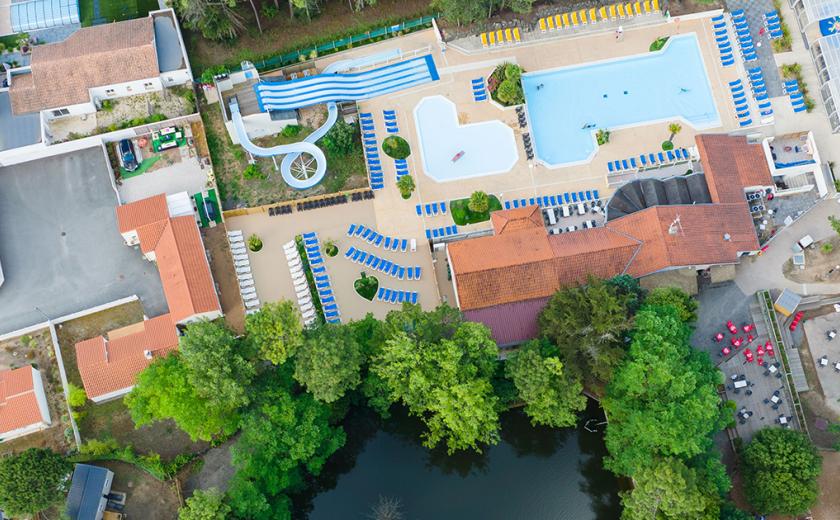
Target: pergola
<point>826,53</point>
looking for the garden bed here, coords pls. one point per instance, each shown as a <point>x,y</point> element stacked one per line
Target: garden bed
<point>462,215</point>
<point>366,286</point>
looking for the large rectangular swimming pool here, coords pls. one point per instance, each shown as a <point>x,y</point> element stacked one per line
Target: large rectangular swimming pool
<point>566,106</point>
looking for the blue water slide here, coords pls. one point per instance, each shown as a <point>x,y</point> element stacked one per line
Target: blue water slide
<point>329,87</point>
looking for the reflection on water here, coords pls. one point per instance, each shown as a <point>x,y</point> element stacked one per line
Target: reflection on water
<point>534,473</point>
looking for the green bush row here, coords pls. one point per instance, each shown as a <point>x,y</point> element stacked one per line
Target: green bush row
<point>152,464</point>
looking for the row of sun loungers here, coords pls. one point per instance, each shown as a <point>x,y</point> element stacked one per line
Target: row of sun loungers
<point>394,296</point>
<point>760,93</point>
<point>773,24</point>
<point>447,231</point>
<point>321,278</point>
<point>377,180</point>
<point>796,97</point>
<point>548,201</point>
<point>723,43</point>
<point>382,265</point>
<point>391,121</point>
<point>745,40</point>
<point>739,98</point>
<point>304,295</point>
<point>651,160</point>
<point>617,11</point>
<point>320,203</point>
<point>376,239</point>
<point>242,265</point>
<point>431,209</point>
<point>479,90</point>
<point>402,167</point>
<point>500,37</point>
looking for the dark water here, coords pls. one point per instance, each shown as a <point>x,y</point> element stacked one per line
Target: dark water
<point>532,474</point>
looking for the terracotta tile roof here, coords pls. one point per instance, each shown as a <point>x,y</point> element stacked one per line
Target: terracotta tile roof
<point>179,254</point>
<point>135,215</point>
<point>516,219</point>
<point>530,264</point>
<point>62,73</point>
<point>699,239</point>
<point>18,404</point>
<point>510,323</point>
<point>732,164</point>
<point>109,366</point>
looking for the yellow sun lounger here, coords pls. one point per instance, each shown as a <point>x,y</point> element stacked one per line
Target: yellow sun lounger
<point>629,9</point>
<point>592,15</point>
<point>558,21</point>
<point>566,22</point>
<point>647,7</point>
<point>612,12</point>
<point>602,14</point>
<point>492,37</point>
<point>656,6</point>
<point>542,24</point>
<point>516,36</point>
<point>574,19</point>
<point>508,36</point>
<point>550,20</point>
<point>621,11</point>
<point>484,39</point>
<point>500,39</point>
<point>637,8</point>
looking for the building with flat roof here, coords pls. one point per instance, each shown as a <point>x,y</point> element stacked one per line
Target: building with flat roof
<point>109,365</point>
<point>23,403</point>
<point>504,280</point>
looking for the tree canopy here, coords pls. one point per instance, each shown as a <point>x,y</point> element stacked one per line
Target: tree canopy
<point>588,325</point>
<point>32,481</point>
<point>164,391</point>
<point>276,331</point>
<point>682,301</point>
<point>668,490</point>
<point>328,364</point>
<point>440,368</point>
<point>662,401</point>
<point>551,396</point>
<point>781,468</point>
<point>205,504</point>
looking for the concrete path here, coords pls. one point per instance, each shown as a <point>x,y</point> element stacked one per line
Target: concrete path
<point>765,270</point>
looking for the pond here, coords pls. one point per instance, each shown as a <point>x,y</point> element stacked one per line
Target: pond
<point>533,473</point>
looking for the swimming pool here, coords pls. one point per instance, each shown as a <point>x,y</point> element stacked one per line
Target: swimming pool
<point>484,148</point>
<point>643,89</point>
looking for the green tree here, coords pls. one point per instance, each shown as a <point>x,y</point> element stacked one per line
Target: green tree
<point>552,398</point>
<point>216,20</point>
<point>276,331</point>
<point>284,438</point>
<point>328,364</point>
<point>163,391</point>
<point>440,368</point>
<point>628,288</point>
<point>406,186</point>
<point>827,248</point>
<point>215,366</point>
<point>513,72</point>
<point>479,202</point>
<point>76,397</point>
<point>669,490</point>
<point>32,481</point>
<point>508,92</point>
<point>674,128</point>
<point>588,325</point>
<point>462,11</point>
<point>728,511</point>
<point>341,138</point>
<point>835,223</point>
<point>205,504</point>
<point>663,399</point>
<point>781,468</point>
<point>685,304</point>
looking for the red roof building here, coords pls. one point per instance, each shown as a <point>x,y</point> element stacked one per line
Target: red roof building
<point>504,280</point>
<point>109,366</point>
<point>23,403</point>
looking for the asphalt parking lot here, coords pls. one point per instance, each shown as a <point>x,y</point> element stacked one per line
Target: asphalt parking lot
<point>60,249</point>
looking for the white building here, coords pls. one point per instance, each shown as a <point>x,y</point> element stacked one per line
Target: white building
<point>23,403</point>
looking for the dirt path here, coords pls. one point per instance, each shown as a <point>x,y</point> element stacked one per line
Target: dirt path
<point>221,264</point>
<point>146,497</point>
<point>828,505</point>
<point>216,471</point>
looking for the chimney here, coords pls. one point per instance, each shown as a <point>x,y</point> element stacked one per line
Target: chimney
<point>147,354</point>
<point>105,347</point>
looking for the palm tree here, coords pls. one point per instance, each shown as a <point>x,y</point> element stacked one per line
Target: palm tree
<point>674,128</point>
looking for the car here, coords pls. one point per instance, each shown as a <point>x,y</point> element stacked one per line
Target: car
<point>571,228</point>
<point>127,156</point>
<point>210,209</point>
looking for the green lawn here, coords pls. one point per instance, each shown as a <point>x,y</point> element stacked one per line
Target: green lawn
<point>115,10</point>
<point>462,215</point>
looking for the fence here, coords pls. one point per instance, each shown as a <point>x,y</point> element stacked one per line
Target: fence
<point>339,45</point>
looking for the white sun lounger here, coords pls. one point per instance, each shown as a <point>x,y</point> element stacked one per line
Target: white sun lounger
<point>241,263</point>
<point>307,307</point>
<point>246,283</point>
<point>244,271</point>
<point>294,262</point>
<point>251,311</point>
<point>238,250</point>
<point>234,233</point>
<point>250,304</point>
<point>240,257</point>
<point>413,245</point>
<point>301,293</point>
<point>248,291</point>
<point>290,246</point>
<point>308,314</point>
<point>244,276</point>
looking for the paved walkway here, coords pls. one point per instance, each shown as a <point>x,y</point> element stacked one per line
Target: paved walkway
<point>755,10</point>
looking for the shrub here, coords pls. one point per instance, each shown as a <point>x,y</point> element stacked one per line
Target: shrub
<point>509,93</point>
<point>406,186</point>
<point>667,145</point>
<point>513,72</point>
<point>107,105</point>
<point>341,138</point>
<point>330,249</point>
<point>396,147</point>
<point>603,137</point>
<point>253,171</point>
<point>254,243</point>
<point>76,396</point>
<point>479,202</point>
<point>291,130</point>
<point>827,248</point>
<point>658,43</point>
<point>366,286</point>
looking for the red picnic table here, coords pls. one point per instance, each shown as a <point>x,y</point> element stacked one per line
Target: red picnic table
<point>749,355</point>
<point>732,328</point>
<point>748,328</point>
<point>750,338</point>
<point>737,342</point>
<point>760,361</point>
<point>760,350</point>
<point>725,351</point>
<point>770,349</point>
<point>719,337</point>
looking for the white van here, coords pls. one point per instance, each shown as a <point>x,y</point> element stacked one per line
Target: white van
<point>551,219</point>
<point>581,208</point>
<point>566,211</point>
